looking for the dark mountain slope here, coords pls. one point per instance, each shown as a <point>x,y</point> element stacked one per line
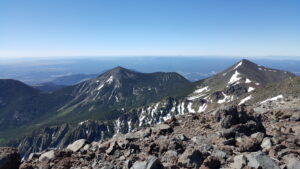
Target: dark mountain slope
<point>48,87</point>
<point>104,98</point>
<point>118,89</point>
<point>19,103</point>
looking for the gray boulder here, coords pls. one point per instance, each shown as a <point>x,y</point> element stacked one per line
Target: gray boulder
<point>293,163</point>
<point>77,145</point>
<point>152,163</point>
<point>191,158</point>
<point>240,162</point>
<point>266,143</point>
<point>47,156</point>
<point>260,160</point>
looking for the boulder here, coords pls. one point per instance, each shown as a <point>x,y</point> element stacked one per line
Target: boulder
<point>191,158</point>
<point>113,146</point>
<point>236,121</point>
<point>170,157</point>
<point>162,129</point>
<point>139,165</point>
<point>33,156</point>
<point>49,155</point>
<point>266,143</point>
<point>248,144</point>
<point>259,160</point>
<point>259,136</point>
<point>295,116</point>
<point>211,162</point>
<point>293,163</point>
<point>9,158</point>
<point>77,145</point>
<point>152,163</point>
<point>240,162</point>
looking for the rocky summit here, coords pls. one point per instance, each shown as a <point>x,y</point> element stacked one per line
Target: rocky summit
<point>230,137</point>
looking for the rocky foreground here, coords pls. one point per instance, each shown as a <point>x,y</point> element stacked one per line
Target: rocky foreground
<point>232,137</point>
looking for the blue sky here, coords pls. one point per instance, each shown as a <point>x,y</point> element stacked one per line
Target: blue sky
<point>41,28</point>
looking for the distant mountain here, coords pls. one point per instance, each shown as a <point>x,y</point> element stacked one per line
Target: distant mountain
<point>104,98</point>
<point>73,79</point>
<point>48,87</point>
<point>118,89</point>
<point>19,103</point>
<point>243,77</point>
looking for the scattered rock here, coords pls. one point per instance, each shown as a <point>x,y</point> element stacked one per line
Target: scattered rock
<point>240,162</point>
<point>248,144</point>
<point>191,158</point>
<point>211,162</point>
<point>77,145</point>
<point>112,148</point>
<point>260,160</point>
<point>47,156</point>
<point>152,163</point>
<point>162,129</point>
<point>293,163</point>
<point>266,143</point>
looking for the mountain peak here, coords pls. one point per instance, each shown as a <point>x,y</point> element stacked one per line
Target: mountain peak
<point>244,64</point>
<point>120,69</point>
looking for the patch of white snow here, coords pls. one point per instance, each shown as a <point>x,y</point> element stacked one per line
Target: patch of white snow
<point>201,90</point>
<point>238,65</point>
<point>250,89</point>
<point>245,99</point>
<point>248,81</point>
<point>235,78</point>
<point>190,109</point>
<point>273,98</point>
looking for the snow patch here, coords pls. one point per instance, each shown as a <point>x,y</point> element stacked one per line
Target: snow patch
<point>248,81</point>
<point>245,99</point>
<point>110,79</point>
<point>190,109</point>
<point>100,87</point>
<point>202,108</point>
<point>238,65</point>
<point>81,123</point>
<point>117,99</point>
<point>167,117</point>
<point>235,78</point>
<point>273,98</point>
<point>225,99</point>
<point>250,89</point>
<point>202,90</point>
<point>129,126</point>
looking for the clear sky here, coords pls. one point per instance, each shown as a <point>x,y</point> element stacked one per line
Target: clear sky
<point>31,28</point>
